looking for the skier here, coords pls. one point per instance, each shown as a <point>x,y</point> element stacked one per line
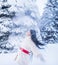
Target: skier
<point>28,48</point>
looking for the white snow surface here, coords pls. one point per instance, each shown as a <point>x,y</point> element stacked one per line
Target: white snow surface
<point>50,54</point>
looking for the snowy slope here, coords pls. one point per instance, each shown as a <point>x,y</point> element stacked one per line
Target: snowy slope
<point>7,59</point>
<point>50,54</point>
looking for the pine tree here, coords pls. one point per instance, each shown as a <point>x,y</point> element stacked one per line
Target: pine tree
<point>49,29</point>
<point>5,25</point>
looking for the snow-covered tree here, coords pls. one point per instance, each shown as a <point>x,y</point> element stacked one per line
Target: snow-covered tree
<point>5,25</point>
<point>49,21</point>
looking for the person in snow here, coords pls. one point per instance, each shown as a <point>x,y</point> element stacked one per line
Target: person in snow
<point>29,47</point>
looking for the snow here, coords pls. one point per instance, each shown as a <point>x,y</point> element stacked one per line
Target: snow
<point>41,5</point>
<point>50,54</point>
<point>7,59</point>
